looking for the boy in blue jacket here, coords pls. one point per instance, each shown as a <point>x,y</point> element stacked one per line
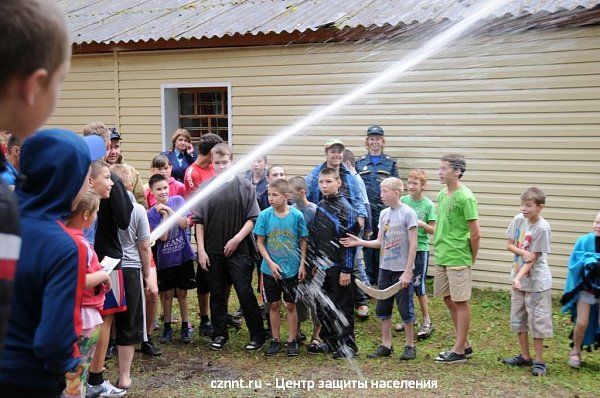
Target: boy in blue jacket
<point>45,322</point>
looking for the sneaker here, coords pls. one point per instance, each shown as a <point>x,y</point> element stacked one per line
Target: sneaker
<point>292,349</point>
<point>362,311</point>
<point>538,369</point>
<point>186,335</point>
<point>425,331</point>
<point>166,337</point>
<point>234,322</point>
<point>517,360</point>
<point>149,349</point>
<point>381,351</point>
<point>111,350</point>
<point>254,345</point>
<point>317,347</point>
<point>93,391</point>
<point>206,328</point>
<point>274,348</point>
<point>410,352</point>
<point>574,360</point>
<point>109,391</point>
<point>468,352</point>
<point>218,343</point>
<point>344,352</point>
<point>451,357</point>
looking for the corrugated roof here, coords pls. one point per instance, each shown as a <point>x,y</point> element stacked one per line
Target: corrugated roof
<point>123,21</point>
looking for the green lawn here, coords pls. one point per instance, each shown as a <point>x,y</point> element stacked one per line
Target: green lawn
<point>187,371</point>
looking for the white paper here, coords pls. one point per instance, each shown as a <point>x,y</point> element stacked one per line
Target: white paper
<point>109,263</point>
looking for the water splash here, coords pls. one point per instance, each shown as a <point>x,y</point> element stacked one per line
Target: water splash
<point>413,58</point>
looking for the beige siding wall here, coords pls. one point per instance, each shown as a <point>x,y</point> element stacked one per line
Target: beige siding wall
<point>524,109</point>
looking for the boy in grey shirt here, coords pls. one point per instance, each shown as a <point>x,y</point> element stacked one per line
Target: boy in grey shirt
<point>531,299</point>
<point>397,239</point>
<point>135,240</point>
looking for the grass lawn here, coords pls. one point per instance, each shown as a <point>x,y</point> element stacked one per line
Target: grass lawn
<point>187,370</point>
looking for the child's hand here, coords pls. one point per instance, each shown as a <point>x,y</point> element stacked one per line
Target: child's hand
<point>350,240</point>
<point>275,270</point>
<point>527,256</point>
<point>151,282</point>
<point>301,273</point>
<point>107,284</point>
<point>315,270</point>
<point>517,284</point>
<point>203,260</point>
<point>421,224</point>
<point>405,279</point>
<point>231,246</point>
<point>344,279</point>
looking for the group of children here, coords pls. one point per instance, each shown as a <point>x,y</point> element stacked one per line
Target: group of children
<point>86,261</point>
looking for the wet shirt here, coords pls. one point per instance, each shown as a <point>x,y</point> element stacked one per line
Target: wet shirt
<point>282,239</point>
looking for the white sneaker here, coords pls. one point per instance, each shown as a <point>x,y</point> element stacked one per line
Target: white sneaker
<point>110,391</point>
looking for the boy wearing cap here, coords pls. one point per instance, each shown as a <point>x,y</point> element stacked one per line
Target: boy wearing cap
<point>41,344</point>
<point>374,167</point>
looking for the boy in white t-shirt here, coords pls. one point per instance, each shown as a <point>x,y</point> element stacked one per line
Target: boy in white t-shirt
<point>531,300</point>
<point>397,239</point>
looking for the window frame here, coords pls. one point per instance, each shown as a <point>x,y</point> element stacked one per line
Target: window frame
<point>169,97</point>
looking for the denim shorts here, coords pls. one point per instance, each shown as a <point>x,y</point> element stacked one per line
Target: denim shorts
<point>404,298</point>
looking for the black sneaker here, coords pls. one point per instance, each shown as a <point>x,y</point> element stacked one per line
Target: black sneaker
<point>206,328</point>
<point>234,322</point>
<point>451,357</point>
<point>318,348</point>
<point>410,352</point>
<point>381,351</point>
<point>254,345</point>
<point>517,360</point>
<point>166,337</point>
<point>218,343</point>
<point>344,352</point>
<point>292,349</point>
<point>468,352</point>
<point>186,335</point>
<point>274,348</point>
<point>149,349</point>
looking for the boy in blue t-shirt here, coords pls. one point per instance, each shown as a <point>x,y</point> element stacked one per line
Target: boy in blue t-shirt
<point>281,233</point>
<point>175,265</point>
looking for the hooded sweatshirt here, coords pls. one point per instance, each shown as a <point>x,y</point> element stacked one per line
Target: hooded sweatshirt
<point>46,311</point>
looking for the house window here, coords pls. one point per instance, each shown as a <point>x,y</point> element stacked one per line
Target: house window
<point>204,110</point>
<point>199,107</point>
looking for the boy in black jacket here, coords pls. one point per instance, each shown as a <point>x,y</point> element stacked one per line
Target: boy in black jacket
<point>334,218</point>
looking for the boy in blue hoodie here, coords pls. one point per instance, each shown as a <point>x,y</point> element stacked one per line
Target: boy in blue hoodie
<point>41,344</point>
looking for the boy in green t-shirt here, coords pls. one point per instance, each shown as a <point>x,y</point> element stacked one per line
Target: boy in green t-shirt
<point>456,242</point>
<point>425,209</point>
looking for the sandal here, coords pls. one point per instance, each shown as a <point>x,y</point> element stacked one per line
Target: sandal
<point>574,360</point>
<point>538,369</point>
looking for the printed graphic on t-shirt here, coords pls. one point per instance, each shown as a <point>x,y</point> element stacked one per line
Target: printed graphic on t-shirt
<point>522,241</point>
<point>393,236</point>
